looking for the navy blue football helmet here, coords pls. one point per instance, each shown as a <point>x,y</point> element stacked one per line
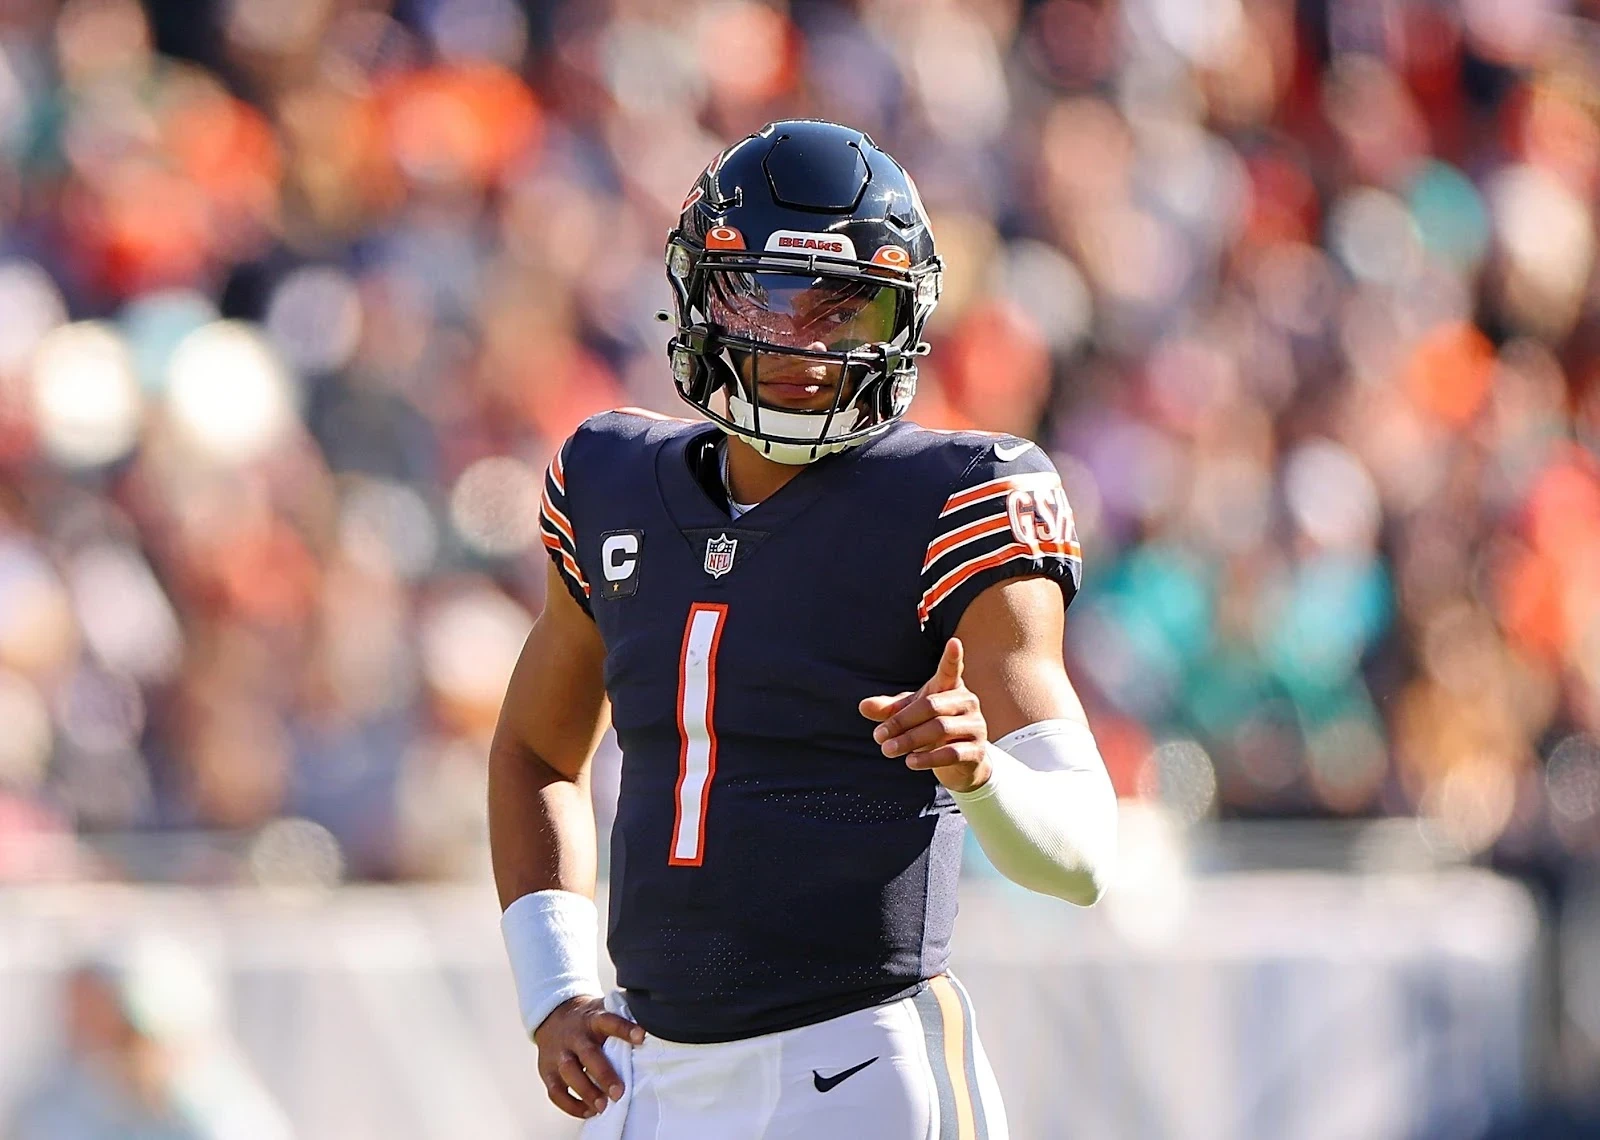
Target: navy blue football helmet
<point>803,240</point>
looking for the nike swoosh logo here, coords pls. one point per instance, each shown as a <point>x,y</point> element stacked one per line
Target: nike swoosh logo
<point>825,1084</point>
<point>1005,451</point>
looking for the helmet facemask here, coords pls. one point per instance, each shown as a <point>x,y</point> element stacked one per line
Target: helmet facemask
<point>847,326</point>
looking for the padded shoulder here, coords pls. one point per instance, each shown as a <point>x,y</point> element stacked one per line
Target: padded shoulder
<point>627,426</point>
<point>948,456</point>
<point>998,512</point>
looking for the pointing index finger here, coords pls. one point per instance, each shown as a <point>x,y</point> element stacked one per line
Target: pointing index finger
<point>881,708</point>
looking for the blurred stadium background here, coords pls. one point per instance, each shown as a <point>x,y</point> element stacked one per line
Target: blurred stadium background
<point>297,297</point>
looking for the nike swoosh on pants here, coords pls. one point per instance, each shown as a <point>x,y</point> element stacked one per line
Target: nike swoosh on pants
<point>825,1083</point>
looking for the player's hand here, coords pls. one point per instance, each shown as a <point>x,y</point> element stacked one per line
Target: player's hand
<point>938,727</point>
<point>575,1072</point>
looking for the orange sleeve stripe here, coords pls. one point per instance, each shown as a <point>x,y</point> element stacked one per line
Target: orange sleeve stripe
<point>556,519</point>
<point>1030,480</point>
<point>952,581</point>
<point>568,563</point>
<point>558,473</point>
<point>942,589</point>
<point>572,568</point>
<point>1062,547</point>
<point>993,524</point>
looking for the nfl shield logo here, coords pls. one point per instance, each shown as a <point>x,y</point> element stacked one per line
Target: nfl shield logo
<point>719,555</point>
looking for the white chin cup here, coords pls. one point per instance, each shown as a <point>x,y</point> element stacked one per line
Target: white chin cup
<point>796,426</point>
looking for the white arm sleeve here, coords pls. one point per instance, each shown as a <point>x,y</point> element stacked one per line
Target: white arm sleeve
<point>1047,816</point>
<point>552,938</point>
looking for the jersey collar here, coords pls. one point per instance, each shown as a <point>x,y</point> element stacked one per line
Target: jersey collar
<point>694,505</point>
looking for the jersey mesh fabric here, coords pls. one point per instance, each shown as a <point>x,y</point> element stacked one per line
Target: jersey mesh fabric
<point>819,877</point>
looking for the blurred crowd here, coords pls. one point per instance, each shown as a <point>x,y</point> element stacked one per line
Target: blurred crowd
<point>296,300</point>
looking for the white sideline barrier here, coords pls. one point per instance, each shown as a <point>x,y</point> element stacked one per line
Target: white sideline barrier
<point>1308,1005</point>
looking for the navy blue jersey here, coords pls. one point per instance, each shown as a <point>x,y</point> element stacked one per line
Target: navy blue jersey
<point>770,867</point>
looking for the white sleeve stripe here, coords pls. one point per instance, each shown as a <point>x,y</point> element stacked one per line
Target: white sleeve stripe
<point>946,585</point>
<point>953,579</point>
<point>961,536</point>
<point>569,564</point>
<point>559,521</point>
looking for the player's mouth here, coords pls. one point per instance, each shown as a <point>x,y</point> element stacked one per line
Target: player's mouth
<point>799,392</point>
<point>797,389</point>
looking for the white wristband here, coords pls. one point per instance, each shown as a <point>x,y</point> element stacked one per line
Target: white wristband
<point>553,941</point>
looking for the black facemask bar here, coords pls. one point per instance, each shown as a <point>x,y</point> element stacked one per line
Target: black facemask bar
<point>879,365</point>
<point>873,363</point>
<point>862,372</point>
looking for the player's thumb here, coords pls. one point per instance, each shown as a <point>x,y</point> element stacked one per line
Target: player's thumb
<point>951,661</point>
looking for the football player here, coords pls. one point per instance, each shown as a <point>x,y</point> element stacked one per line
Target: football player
<point>829,641</point>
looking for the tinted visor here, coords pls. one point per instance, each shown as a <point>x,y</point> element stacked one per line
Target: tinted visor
<point>794,311</point>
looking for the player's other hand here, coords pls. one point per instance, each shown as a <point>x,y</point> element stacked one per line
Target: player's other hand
<point>938,727</point>
<point>575,1072</point>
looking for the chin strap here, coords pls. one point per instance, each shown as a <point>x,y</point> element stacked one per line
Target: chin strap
<point>798,427</point>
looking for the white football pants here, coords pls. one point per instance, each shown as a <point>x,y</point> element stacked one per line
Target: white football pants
<point>909,1070</point>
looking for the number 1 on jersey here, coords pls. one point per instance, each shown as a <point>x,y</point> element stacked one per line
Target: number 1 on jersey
<point>697,735</point>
